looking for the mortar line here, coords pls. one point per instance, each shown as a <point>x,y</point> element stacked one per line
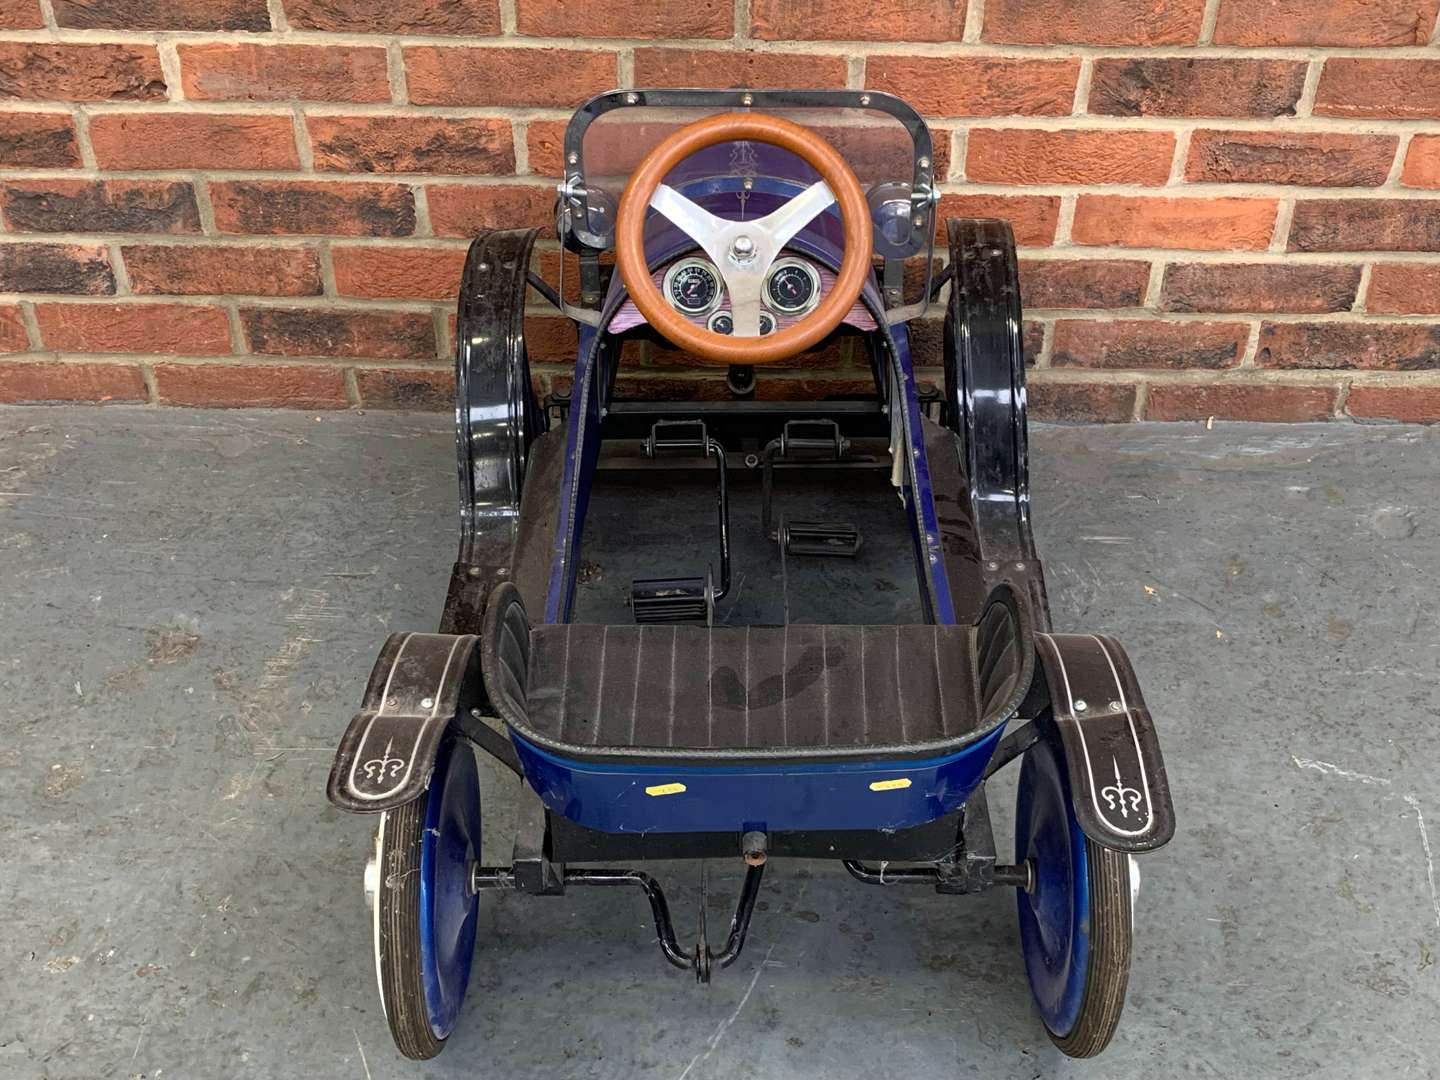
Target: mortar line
<point>974,22</point>
<point>1305,104</point>
<point>1208,20</point>
<point>1362,290</point>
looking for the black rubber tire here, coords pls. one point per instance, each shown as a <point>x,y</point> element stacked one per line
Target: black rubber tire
<point>397,926</point>
<point>1108,976</point>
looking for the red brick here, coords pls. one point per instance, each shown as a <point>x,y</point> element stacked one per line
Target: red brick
<point>251,386</point>
<point>1099,22</point>
<point>56,268</point>
<point>977,86</point>
<point>1030,156</point>
<point>1333,22</point>
<point>723,69</point>
<point>545,140</point>
<point>1404,289</point>
<point>13,337</point>
<point>250,15</point>
<point>397,273</point>
<point>1148,344</point>
<point>193,141</point>
<point>21,15</point>
<point>390,335</point>
<point>214,270</point>
<point>1409,404</point>
<point>126,206</point>
<point>1083,283</point>
<point>48,71</point>
<point>463,210</point>
<point>1287,157</point>
<point>559,78</point>
<point>1032,217</point>
<point>1080,402</point>
<point>315,207</point>
<point>250,72</point>
<point>1180,86</point>
<point>1384,346</point>
<point>1422,162</point>
<point>473,18</point>
<point>1260,287</point>
<point>28,382</point>
<point>550,338</point>
<point>412,144</point>
<point>1267,402</point>
<point>406,389</point>
<point>37,141</point>
<point>625,18</point>
<point>1366,225</point>
<point>1383,89</point>
<point>1198,224</point>
<point>847,20</point>
<point>183,329</point>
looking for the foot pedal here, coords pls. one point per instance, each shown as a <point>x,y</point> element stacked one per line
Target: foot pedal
<point>671,600</point>
<point>838,538</point>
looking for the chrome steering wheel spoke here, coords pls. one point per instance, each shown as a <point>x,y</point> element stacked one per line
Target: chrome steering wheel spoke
<point>743,251</point>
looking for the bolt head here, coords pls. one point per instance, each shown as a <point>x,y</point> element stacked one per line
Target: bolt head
<point>1081,705</point>
<point>742,247</point>
<point>427,702</point>
<point>1116,706</point>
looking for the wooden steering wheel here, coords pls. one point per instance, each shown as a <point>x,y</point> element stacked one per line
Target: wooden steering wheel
<point>743,250</point>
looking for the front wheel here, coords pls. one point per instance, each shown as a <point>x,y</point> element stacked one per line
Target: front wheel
<point>425,913</point>
<point>1075,923</point>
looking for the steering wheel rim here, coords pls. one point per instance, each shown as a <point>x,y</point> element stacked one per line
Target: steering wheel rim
<point>775,131</point>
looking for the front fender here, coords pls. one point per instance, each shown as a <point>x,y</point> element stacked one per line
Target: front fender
<point>419,684</point>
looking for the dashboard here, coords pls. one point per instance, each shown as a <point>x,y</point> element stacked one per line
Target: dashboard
<point>794,287</point>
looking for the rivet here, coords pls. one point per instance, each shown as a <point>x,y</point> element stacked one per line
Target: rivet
<point>473,571</point>
<point>1080,705</point>
<point>427,702</point>
<point>747,99</point>
<point>864,99</point>
<point>992,566</point>
<point>924,163</point>
<point>573,159</point>
<point>392,702</point>
<point>1115,706</point>
<point>632,99</point>
<point>1019,566</point>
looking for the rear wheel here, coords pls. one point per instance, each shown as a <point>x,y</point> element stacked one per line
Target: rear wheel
<point>1075,924</point>
<point>425,913</point>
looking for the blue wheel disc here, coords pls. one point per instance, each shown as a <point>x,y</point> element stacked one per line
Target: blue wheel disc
<point>1055,916</point>
<point>448,910</point>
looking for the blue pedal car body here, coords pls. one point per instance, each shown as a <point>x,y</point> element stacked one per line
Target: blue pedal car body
<point>764,611</point>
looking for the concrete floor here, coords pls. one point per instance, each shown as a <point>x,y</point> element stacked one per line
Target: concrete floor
<point>190,603</point>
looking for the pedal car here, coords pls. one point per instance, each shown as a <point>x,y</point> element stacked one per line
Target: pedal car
<point>736,625</point>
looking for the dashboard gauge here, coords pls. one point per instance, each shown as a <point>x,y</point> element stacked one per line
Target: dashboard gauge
<point>792,287</point>
<point>693,286</point>
<point>721,323</point>
<point>767,323</point>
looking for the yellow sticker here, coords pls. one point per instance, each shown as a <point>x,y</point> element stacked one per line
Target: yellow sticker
<point>890,785</point>
<point>671,789</point>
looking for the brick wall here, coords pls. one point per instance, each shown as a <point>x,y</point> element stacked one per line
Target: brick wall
<point>1225,207</point>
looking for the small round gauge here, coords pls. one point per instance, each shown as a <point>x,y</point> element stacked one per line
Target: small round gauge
<point>792,286</point>
<point>693,286</point>
<point>767,323</point>
<point>721,323</point>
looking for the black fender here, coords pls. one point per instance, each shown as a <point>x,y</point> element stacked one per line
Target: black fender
<point>419,686</point>
<point>497,417</point>
<point>984,407</point>
<point>1107,737</point>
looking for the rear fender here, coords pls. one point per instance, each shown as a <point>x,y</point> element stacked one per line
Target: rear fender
<point>1117,775</point>
<point>419,684</point>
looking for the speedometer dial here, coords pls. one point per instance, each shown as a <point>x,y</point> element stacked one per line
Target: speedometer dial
<point>792,287</point>
<point>693,286</point>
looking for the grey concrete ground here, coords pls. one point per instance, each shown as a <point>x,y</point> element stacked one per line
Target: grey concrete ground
<point>190,603</point>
